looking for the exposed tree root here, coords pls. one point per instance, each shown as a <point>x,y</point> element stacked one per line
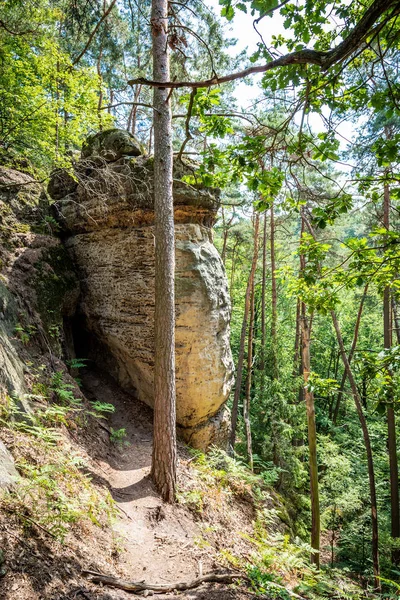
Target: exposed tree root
<point>140,586</point>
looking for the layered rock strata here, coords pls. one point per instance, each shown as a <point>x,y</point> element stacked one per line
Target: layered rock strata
<point>108,218</point>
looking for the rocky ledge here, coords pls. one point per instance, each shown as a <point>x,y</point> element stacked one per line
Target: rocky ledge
<point>106,210</point>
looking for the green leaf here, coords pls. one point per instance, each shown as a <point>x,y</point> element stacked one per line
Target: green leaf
<point>228,12</point>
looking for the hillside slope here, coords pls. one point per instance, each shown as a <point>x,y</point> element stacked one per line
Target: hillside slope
<point>143,539</point>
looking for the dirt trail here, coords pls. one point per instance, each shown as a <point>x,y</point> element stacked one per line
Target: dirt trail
<point>161,542</point>
<point>152,542</point>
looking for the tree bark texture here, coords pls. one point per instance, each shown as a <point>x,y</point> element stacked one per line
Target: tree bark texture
<point>163,468</point>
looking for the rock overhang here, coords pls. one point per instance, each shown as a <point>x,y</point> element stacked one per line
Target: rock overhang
<point>107,215</point>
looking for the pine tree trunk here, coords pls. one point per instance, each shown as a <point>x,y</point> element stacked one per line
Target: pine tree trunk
<point>312,442</point>
<point>233,267</point>
<point>351,354</point>
<point>239,375</point>
<point>274,311</point>
<point>263,290</point>
<point>296,357</point>
<point>396,320</point>
<point>368,448</point>
<point>301,316</point>
<point>308,396</point>
<point>163,469</point>
<point>387,334</point>
<point>247,402</point>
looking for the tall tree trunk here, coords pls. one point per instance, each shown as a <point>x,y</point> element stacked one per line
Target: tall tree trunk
<point>312,442</point>
<point>247,402</point>
<point>301,315</point>
<point>163,468</point>
<point>133,115</point>
<point>263,290</point>
<point>274,311</point>
<point>100,76</point>
<point>396,320</point>
<point>296,357</point>
<point>393,466</point>
<point>233,267</point>
<point>351,354</point>
<point>263,320</point>
<point>239,375</point>
<point>368,448</point>
<point>311,425</point>
<point>225,227</point>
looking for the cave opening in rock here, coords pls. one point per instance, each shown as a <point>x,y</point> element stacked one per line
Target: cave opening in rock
<point>77,340</point>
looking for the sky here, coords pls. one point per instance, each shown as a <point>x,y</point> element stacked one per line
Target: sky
<point>241,28</point>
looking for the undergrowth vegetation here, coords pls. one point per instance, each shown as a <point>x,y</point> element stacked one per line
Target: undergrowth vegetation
<point>54,491</point>
<point>227,497</point>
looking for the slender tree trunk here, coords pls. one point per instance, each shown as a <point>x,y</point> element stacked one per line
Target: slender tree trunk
<point>312,443</point>
<point>393,466</point>
<point>263,290</point>
<point>274,310</point>
<point>368,448</point>
<point>263,320</point>
<point>100,101</point>
<point>239,375</point>
<point>351,354</point>
<point>296,357</point>
<point>247,402</point>
<point>163,468</point>
<point>133,115</point>
<point>151,138</point>
<point>225,227</point>
<point>302,314</point>
<point>396,320</point>
<point>233,271</point>
<point>311,425</point>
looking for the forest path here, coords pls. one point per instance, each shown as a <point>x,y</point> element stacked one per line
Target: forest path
<point>157,541</point>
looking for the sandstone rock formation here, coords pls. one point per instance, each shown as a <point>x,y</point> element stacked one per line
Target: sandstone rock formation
<point>111,144</point>
<point>109,225</point>
<point>38,287</point>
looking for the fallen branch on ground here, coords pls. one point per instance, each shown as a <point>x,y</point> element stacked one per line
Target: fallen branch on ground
<point>140,586</point>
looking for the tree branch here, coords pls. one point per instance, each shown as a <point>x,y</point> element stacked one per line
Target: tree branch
<point>6,27</point>
<point>128,104</point>
<point>131,586</point>
<point>95,30</point>
<point>324,60</point>
<point>187,123</point>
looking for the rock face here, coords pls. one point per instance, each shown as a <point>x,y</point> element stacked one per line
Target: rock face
<point>8,473</point>
<point>109,223</point>
<point>38,287</point>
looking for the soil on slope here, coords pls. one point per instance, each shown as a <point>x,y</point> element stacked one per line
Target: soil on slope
<point>152,541</point>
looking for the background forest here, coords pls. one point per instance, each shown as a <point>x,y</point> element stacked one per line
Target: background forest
<point>308,228</point>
